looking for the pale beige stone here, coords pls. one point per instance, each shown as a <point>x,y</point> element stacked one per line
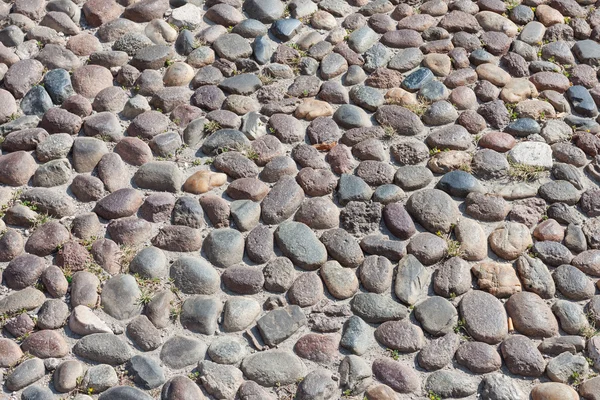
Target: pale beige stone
<point>203,181</point>
<point>311,109</point>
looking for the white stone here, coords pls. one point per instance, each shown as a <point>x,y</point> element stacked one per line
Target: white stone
<point>188,15</point>
<point>83,322</point>
<point>536,154</point>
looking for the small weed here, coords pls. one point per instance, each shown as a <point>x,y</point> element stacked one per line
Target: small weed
<point>266,79</point>
<point>68,275</point>
<point>297,48</point>
<point>23,337</point>
<point>305,93</point>
<point>41,219</point>
<point>13,117</point>
<point>452,245</point>
<point>512,4</point>
<point>286,12</point>
<point>194,375</point>
<point>97,270</point>
<point>197,162</point>
<point>542,115</point>
<point>169,62</point>
<point>211,127</point>
<point>159,110</point>
<point>511,111</point>
<point>347,392</point>
<point>181,148</point>
<point>434,151</point>
<point>395,354</point>
<point>461,328</point>
<point>465,167</point>
<point>127,254</point>
<point>389,132</point>
<point>174,288</point>
<point>209,161</point>
<point>151,284</point>
<point>348,32</point>
<point>29,205</point>
<point>419,108</point>
<point>452,295</point>
<point>524,172</point>
<point>434,396</point>
<point>252,154</point>
<point>306,19</point>
<point>229,29</point>
<point>145,297</point>
<point>453,248</point>
<point>175,313</point>
<point>589,331</point>
<point>590,362</point>
<point>575,378</point>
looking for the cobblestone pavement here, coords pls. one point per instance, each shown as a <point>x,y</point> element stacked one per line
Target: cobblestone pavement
<point>308,200</point>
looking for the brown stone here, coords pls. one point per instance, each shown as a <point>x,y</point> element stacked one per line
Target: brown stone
<point>203,181</point>
<point>498,279</point>
<point>316,347</point>
<point>99,12</point>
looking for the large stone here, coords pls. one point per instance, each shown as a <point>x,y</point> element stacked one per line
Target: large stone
<point>433,209</point>
<point>272,367</point>
<point>484,317</point>
<point>103,348</point>
<point>299,243</point>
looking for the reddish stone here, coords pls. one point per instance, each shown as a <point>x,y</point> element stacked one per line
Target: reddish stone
<point>99,12</point>
<point>46,344</point>
<point>498,141</point>
<point>73,256</point>
<point>549,230</point>
<point>340,158</point>
<point>134,151</point>
<point>247,189</point>
<point>317,348</point>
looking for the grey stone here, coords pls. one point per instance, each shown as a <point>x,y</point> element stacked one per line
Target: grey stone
<point>294,238</point>
<point>181,351</point>
<point>280,324</point>
<point>376,308</point>
<point>193,275</point>
<point>103,348</point>
<point>411,280</point>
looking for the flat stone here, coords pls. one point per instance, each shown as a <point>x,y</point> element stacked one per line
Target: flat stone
<point>272,366</point>
<point>103,348</point>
